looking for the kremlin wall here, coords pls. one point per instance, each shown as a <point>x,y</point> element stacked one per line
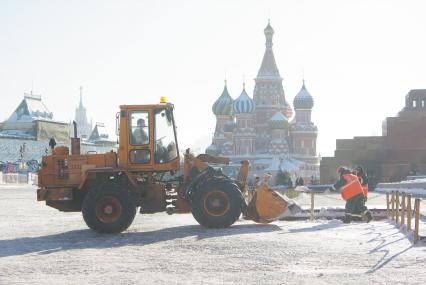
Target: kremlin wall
<point>399,152</point>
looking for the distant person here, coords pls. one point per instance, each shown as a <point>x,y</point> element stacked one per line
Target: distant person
<point>351,190</point>
<point>289,183</point>
<point>299,181</point>
<point>140,135</point>
<point>363,179</point>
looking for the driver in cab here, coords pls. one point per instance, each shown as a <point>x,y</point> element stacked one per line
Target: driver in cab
<point>140,135</point>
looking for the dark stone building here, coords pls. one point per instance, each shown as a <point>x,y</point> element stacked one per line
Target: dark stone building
<point>400,151</point>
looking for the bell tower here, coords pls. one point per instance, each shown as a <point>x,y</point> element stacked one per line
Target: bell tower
<point>268,92</point>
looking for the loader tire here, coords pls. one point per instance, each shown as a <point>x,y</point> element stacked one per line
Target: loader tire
<point>108,209</point>
<point>217,204</point>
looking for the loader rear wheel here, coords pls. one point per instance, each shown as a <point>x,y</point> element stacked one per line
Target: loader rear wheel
<point>108,209</point>
<point>217,204</point>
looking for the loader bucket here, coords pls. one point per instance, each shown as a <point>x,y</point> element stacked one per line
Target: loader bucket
<point>268,205</point>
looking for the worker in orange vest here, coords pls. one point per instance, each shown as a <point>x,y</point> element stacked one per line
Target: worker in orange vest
<point>351,190</point>
<point>363,179</point>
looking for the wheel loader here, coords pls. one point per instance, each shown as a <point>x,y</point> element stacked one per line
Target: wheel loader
<point>145,173</point>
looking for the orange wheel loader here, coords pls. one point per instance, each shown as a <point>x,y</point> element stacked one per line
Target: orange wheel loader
<point>144,174</point>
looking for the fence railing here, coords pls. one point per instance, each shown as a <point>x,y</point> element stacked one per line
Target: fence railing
<point>401,211</point>
<point>18,178</point>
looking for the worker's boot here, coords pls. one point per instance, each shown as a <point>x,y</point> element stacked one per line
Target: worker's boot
<point>367,216</point>
<point>347,219</point>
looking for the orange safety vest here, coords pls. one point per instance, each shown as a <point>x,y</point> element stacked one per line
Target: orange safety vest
<point>351,188</point>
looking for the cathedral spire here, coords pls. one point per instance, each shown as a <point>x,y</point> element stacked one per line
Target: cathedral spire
<point>269,33</point>
<point>268,91</point>
<point>269,66</point>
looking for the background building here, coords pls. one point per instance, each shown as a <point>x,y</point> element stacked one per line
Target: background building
<point>84,128</point>
<point>25,135</point>
<point>400,151</point>
<point>262,129</point>
<point>32,120</point>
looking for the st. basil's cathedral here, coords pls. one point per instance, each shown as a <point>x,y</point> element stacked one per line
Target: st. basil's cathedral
<point>263,129</point>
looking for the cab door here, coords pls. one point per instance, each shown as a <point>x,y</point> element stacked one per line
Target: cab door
<point>140,137</point>
<point>136,132</point>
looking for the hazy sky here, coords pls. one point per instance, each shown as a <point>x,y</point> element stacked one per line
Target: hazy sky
<point>359,58</point>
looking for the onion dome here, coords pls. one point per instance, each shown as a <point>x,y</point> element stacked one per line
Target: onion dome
<point>243,104</point>
<point>212,150</point>
<point>229,126</point>
<point>278,121</point>
<point>303,99</point>
<point>223,105</point>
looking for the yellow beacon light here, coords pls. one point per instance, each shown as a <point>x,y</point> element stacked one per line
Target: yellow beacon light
<point>163,99</point>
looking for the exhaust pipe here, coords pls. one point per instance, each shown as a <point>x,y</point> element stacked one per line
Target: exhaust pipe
<point>75,128</point>
<point>75,141</point>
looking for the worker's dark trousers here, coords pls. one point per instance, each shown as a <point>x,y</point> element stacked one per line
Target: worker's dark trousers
<point>355,207</point>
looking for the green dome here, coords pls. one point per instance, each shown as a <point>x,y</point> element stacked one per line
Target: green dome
<point>213,150</point>
<point>303,99</point>
<point>223,105</point>
<point>278,121</point>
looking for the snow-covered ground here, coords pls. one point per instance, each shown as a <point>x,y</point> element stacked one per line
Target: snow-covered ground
<point>39,245</point>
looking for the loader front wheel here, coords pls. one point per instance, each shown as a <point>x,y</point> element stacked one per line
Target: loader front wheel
<point>108,209</point>
<point>217,204</point>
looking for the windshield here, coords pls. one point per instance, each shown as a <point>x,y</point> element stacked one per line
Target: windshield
<point>165,140</point>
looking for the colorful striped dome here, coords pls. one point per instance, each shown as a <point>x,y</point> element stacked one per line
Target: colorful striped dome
<point>244,104</point>
<point>223,105</point>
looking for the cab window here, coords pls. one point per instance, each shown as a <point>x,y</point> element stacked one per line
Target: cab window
<point>142,156</point>
<point>139,128</point>
<point>165,144</point>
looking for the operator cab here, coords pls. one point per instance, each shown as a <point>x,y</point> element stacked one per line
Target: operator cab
<point>147,138</point>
